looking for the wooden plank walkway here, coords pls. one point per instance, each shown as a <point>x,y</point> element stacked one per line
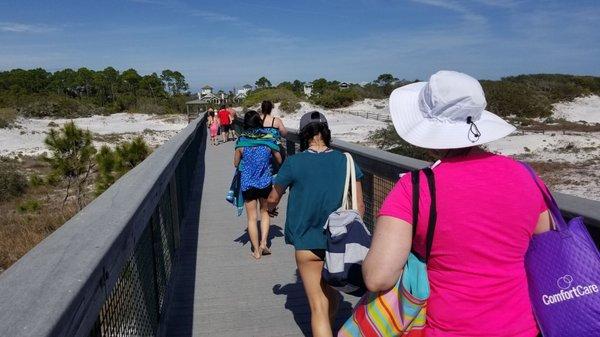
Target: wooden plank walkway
<point>220,290</point>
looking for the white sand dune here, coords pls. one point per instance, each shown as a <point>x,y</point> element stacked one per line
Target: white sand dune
<point>586,109</point>
<point>27,138</point>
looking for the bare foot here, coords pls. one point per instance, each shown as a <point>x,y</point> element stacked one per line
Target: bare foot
<point>256,253</point>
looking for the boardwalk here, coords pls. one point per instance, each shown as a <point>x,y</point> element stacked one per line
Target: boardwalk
<point>220,290</point>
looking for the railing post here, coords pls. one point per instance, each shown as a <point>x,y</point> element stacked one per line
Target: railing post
<point>368,191</point>
<point>290,147</point>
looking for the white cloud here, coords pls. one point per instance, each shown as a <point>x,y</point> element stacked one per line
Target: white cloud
<point>468,15</point>
<point>15,27</point>
<point>213,16</point>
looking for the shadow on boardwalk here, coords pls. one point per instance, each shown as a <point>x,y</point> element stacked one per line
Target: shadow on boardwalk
<point>274,232</point>
<point>182,296</point>
<point>297,303</point>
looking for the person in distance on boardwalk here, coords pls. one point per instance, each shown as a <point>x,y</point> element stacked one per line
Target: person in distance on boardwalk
<point>225,121</point>
<point>232,116</point>
<point>316,177</point>
<point>271,122</point>
<point>213,126</point>
<point>252,158</point>
<point>488,208</point>
<point>273,126</point>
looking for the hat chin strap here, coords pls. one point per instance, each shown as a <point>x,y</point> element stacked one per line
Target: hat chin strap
<point>474,133</point>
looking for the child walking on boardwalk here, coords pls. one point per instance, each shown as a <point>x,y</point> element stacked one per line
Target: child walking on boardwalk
<point>213,126</point>
<point>252,158</point>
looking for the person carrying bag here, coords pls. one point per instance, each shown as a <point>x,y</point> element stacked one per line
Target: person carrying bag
<point>400,311</point>
<point>563,272</point>
<point>348,240</point>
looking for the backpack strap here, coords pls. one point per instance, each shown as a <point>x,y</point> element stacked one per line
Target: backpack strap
<point>415,177</point>
<point>432,211</point>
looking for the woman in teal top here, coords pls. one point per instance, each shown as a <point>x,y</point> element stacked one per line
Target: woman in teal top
<point>315,177</point>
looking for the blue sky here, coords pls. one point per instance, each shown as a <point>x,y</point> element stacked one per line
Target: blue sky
<point>229,43</point>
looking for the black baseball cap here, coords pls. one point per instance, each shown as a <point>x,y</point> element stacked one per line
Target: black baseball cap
<point>312,117</point>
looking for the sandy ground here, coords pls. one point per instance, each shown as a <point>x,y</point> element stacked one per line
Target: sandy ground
<point>343,125</point>
<point>571,159</point>
<point>27,138</point>
<point>582,109</point>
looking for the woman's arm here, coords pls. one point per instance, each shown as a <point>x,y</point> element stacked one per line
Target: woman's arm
<point>281,127</point>
<point>277,156</point>
<point>544,223</point>
<point>237,157</point>
<point>275,196</point>
<point>389,251</point>
<point>360,199</point>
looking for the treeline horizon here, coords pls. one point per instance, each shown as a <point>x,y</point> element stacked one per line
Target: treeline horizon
<point>83,92</point>
<point>73,93</point>
<point>526,96</point>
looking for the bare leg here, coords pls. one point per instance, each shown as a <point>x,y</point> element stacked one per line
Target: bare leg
<point>310,267</point>
<point>224,134</point>
<point>251,212</point>
<point>265,224</point>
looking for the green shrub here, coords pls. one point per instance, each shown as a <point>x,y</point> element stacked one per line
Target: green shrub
<point>289,101</point>
<point>336,98</point>
<point>30,205</point>
<point>35,180</point>
<point>290,106</point>
<point>53,179</point>
<point>148,106</point>
<point>176,104</point>
<point>507,98</point>
<point>57,106</point>
<point>7,117</point>
<point>387,139</point>
<point>12,182</point>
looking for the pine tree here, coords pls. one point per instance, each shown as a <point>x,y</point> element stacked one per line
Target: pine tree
<point>105,159</point>
<point>129,154</point>
<point>72,155</point>
<point>113,164</point>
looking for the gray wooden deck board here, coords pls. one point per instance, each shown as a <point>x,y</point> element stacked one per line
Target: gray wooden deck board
<point>220,290</point>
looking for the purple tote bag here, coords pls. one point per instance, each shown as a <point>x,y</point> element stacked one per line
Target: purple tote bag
<point>563,272</point>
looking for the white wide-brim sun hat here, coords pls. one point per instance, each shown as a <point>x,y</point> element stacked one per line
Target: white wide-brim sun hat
<point>448,112</point>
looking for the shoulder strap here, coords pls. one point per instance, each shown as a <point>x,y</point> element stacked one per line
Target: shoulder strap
<point>349,185</point>
<point>415,177</point>
<point>432,211</point>
<point>272,121</point>
<point>415,200</point>
<point>559,222</point>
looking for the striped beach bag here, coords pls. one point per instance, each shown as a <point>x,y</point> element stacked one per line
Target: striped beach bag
<point>400,311</point>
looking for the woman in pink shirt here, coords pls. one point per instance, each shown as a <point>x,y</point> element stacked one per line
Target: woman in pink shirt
<point>488,207</point>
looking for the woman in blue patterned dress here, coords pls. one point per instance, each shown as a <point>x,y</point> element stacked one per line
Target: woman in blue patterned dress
<point>254,163</point>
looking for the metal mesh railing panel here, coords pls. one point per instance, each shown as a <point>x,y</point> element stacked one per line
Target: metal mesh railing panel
<point>130,309</point>
<point>136,302</point>
<point>163,246</point>
<point>375,190</point>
